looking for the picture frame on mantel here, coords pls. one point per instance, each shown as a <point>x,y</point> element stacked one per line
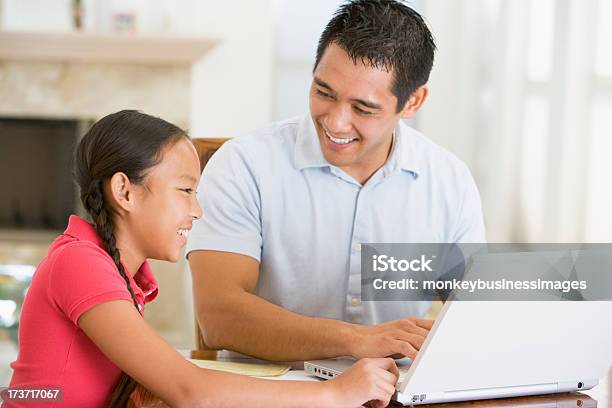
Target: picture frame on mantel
<point>140,17</point>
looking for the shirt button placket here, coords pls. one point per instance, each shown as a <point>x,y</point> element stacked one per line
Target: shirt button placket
<point>354,305</point>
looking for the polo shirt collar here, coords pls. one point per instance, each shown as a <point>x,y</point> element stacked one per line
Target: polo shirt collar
<point>404,155</point>
<point>143,282</point>
<point>82,230</point>
<point>308,148</point>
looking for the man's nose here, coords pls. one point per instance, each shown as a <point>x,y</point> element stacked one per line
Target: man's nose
<point>338,119</point>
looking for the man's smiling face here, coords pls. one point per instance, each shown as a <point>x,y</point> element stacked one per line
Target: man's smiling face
<point>354,112</point>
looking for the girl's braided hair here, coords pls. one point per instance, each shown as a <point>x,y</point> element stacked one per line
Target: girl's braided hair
<point>130,142</point>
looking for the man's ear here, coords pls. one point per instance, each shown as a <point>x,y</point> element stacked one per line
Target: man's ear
<point>414,102</point>
<point>121,192</point>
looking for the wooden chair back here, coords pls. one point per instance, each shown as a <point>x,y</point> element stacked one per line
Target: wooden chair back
<point>206,148</point>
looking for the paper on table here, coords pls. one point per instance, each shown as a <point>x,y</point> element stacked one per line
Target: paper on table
<point>253,370</point>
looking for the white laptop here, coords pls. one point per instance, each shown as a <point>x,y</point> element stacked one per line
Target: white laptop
<point>481,350</point>
<point>497,349</point>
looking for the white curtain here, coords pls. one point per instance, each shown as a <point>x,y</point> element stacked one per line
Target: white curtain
<point>522,91</point>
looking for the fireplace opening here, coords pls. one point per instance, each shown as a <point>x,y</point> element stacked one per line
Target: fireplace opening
<point>36,157</point>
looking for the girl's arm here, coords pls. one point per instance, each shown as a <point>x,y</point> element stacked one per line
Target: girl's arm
<point>127,340</point>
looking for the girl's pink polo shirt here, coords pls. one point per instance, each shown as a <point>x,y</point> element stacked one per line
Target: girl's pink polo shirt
<point>76,275</point>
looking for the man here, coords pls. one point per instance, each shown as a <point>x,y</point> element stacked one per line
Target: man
<point>276,257</point>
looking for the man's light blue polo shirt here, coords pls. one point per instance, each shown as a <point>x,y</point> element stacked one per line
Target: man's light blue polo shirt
<point>272,196</point>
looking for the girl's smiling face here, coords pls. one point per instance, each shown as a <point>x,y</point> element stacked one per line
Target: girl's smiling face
<point>165,205</point>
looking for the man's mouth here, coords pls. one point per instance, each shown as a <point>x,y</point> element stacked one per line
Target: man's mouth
<point>339,140</point>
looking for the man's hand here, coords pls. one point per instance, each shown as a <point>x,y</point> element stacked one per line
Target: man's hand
<point>396,339</point>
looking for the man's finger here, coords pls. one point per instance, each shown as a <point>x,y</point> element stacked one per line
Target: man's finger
<point>411,327</point>
<point>403,348</point>
<point>425,323</point>
<point>415,340</point>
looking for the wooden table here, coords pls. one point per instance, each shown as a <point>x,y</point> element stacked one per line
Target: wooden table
<point>597,397</point>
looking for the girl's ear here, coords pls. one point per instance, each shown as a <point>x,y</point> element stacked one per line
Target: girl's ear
<point>121,192</point>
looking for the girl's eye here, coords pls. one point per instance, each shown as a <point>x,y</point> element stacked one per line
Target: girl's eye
<point>187,190</point>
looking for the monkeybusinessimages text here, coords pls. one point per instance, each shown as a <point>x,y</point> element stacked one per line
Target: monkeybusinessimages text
<point>385,263</point>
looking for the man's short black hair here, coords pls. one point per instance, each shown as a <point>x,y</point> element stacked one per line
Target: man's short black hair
<point>386,34</point>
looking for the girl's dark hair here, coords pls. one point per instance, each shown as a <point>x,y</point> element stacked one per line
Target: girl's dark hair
<point>386,34</point>
<point>130,142</point>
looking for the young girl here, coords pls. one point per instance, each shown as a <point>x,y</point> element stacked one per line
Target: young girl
<point>81,323</point>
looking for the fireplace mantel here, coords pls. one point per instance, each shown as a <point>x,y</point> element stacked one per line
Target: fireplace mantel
<point>110,48</point>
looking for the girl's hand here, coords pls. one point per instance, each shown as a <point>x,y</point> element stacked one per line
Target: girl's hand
<point>368,380</point>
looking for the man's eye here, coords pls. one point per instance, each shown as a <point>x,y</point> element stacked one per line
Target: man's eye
<point>361,111</point>
<point>323,94</point>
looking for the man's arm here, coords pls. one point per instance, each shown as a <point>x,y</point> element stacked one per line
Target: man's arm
<point>232,317</point>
